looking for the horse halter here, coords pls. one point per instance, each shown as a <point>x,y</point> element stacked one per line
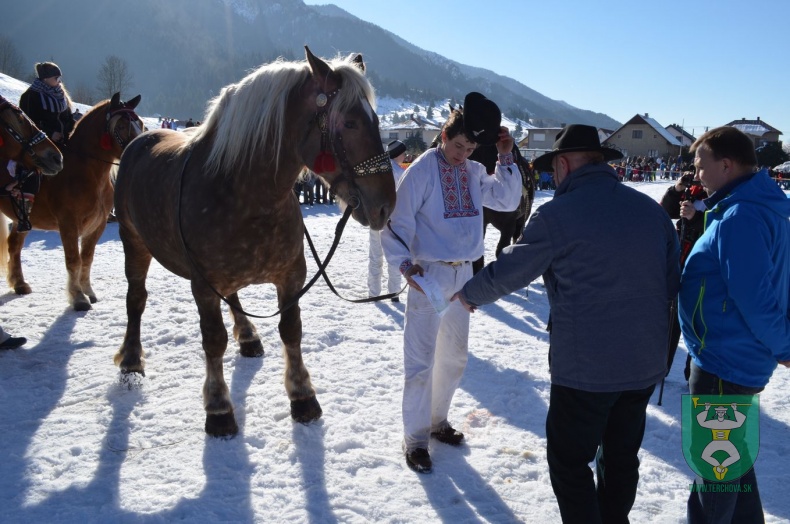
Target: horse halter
<point>377,164</point>
<point>27,145</point>
<point>110,129</point>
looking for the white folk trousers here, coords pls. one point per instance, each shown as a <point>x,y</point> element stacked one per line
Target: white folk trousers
<point>435,352</point>
<point>376,262</point>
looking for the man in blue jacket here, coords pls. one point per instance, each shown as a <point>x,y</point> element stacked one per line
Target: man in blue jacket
<point>734,296</point>
<point>609,327</point>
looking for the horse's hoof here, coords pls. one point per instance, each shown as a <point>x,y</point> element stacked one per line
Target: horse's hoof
<point>82,306</point>
<point>93,299</point>
<point>22,289</point>
<point>305,410</point>
<point>223,425</point>
<point>131,380</point>
<point>251,348</point>
<point>128,371</point>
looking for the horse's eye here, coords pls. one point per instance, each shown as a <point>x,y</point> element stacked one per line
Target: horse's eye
<point>349,124</point>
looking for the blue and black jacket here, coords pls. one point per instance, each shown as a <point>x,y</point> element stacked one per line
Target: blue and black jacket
<point>735,287</point>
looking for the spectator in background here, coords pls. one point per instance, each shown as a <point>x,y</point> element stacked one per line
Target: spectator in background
<point>735,297</point>
<point>308,187</point>
<point>396,151</point>
<point>77,115</point>
<point>685,201</point>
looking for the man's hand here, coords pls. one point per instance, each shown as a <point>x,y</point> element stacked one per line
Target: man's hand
<point>460,298</point>
<point>416,269</point>
<point>684,182</point>
<point>687,210</point>
<point>505,143</point>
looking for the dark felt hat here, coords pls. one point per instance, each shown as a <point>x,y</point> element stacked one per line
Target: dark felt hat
<point>47,70</point>
<point>482,119</point>
<point>395,149</point>
<point>573,138</point>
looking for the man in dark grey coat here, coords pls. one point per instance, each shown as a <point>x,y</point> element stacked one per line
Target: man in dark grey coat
<point>609,258</point>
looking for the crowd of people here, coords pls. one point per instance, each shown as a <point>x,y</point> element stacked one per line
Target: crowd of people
<point>719,277</point>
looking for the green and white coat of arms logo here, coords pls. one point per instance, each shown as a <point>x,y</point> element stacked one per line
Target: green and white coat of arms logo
<point>721,434</point>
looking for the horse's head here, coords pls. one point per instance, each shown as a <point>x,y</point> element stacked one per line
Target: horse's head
<point>23,142</point>
<point>109,126</point>
<point>122,123</point>
<point>343,144</point>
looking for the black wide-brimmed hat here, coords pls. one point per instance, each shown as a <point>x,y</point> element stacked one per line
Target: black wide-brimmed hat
<point>482,119</point>
<point>573,138</point>
<point>395,149</point>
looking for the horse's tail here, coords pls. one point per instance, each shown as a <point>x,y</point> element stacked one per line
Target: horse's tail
<point>3,244</point>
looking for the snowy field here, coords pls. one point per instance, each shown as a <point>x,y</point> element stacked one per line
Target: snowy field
<point>79,447</point>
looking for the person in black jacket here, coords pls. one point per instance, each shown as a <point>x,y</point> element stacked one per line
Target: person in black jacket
<point>684,201</point>
<point>47,103</point>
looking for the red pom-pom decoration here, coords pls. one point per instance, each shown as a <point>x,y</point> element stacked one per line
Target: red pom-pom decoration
<point>324,163</point>
<point>106,142</point>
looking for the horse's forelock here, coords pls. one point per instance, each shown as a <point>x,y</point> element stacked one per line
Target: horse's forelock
<point>355,89</point>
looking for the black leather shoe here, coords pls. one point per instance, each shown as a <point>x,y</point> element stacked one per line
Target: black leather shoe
<point>13,342</point>
<point>448,435</point>
<point>419,460</point>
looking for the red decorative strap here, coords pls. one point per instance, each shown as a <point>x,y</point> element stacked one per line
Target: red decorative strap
<point>324,163</point>
<point>106,141</point>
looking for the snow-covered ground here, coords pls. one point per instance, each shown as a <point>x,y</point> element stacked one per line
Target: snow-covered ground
<point>78,447</point>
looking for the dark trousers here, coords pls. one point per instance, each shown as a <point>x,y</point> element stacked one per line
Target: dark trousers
<point>735,505</point>
<point>606,427</point>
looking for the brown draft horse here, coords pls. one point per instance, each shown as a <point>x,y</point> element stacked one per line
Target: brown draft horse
<point>78,200</point>
<point>215,205</point>
<point>25,144</point>
<point>22,142</point>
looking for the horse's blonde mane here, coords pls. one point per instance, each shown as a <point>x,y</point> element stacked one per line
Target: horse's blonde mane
<point>250,115</point>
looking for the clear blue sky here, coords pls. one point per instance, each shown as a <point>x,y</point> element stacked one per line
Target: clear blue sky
<point>694,62</point>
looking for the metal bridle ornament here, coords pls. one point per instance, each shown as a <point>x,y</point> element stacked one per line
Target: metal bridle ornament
<point>325,161</point>
<point>27,145</point>
<point>111,126</point>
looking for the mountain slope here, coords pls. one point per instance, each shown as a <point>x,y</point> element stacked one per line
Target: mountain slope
<point>181,52</point>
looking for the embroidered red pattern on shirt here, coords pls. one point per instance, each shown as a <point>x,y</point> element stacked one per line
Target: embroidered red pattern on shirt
<point>455,190</point>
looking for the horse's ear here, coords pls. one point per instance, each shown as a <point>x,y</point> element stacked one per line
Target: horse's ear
<point>357,61</point>
<point>322,73</point>
<point>115,100</point>
<point>131,104</point>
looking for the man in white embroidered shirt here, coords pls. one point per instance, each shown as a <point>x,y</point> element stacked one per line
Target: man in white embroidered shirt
<point>435,231</point>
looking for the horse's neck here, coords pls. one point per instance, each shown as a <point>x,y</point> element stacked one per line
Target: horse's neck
<point>83,142</point>
<point>261,181</point>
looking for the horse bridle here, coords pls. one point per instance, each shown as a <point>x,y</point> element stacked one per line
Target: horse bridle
<point>27,145</point>
<point>377,164</point>
<point>112,118</point>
